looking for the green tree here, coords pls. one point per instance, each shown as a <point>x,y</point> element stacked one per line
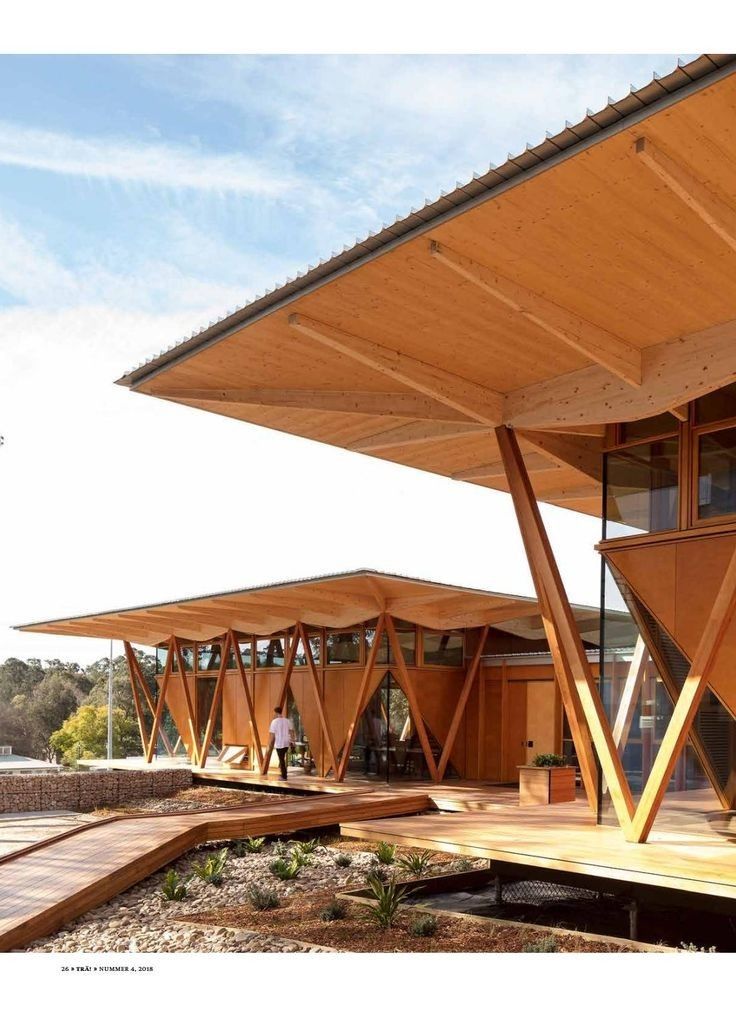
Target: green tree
<point>84,735</point>
<point>122,695</point>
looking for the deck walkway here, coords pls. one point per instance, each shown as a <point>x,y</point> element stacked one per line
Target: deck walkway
<point>564,840</point>
<point>45,885</point>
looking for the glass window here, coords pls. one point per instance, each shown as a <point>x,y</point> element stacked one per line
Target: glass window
<point>208,658</point>
<point>717,474</point>
<point>406,634</point>
<point>315,645</point>
<point>343,647</point>
<point>648,427</point>
<point>443,648</point>
<point>641,487</point>
<point>270,652</point>
<point>246,652</point>
<point>717,406</point>
<point>187,654</point>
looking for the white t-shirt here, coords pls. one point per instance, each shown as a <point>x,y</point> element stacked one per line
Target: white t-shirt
<point>282,730</point>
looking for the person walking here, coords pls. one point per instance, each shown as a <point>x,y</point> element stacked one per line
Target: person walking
<point>281,737</point>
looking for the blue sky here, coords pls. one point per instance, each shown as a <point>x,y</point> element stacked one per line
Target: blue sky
<point>141,197</point>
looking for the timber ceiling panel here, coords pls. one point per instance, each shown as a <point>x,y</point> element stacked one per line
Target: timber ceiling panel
<point>333,601</point>
<point>563,299</point>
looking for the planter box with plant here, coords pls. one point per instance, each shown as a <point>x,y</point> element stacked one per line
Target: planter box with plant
<point>548,779</point>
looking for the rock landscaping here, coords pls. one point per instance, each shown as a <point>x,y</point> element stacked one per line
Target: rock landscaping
<point>218,915</point>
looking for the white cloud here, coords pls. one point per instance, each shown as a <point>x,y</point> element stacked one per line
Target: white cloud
<point>155,164</point>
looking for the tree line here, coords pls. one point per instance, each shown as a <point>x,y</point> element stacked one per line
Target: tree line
<point>53,710</point>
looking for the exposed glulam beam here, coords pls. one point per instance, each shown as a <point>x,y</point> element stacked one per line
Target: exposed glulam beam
<point>183,628</point>
<point>469,398</point>
<point>711,209</point>
<point>673,373</point>
<point>534,462</point>
<point>576,451</point>
<point>341,401</point>
<point>418,433</point>
<point>592,341</point>
<point>578,492</point>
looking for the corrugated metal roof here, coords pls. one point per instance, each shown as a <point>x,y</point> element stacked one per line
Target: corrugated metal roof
<point>660,91</point>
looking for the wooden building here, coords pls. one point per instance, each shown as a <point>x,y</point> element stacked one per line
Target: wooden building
<point>384,677</point>
<point>562,328</point>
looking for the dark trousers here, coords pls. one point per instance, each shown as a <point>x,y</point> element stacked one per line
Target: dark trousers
<point>281,752</point>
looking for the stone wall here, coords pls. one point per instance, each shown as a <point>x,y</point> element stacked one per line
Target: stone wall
<point>87,790</point>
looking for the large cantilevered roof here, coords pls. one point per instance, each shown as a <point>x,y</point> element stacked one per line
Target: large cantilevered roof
<point>335,601</point>
<point>587,280</point>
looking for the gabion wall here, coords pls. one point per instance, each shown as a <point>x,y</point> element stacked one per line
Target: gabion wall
<point>87,790</point>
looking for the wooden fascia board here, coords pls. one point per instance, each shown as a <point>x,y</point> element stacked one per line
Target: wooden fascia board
<point>593,342</point>
<point>673,373</point>
<point>470,399</point>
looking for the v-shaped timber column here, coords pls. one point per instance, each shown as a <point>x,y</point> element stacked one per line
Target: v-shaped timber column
<point>583,705</point>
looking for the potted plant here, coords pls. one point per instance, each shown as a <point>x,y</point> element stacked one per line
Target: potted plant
<point>548,779</point>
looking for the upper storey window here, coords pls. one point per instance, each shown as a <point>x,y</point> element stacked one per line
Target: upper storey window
<point>641,493</point>
<point>714,451</point>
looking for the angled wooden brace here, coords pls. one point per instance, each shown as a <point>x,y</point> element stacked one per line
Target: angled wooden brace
<point>149,699</point>
<point>249,704</point>
<point>574,668</point>
<point>301,633</point>
<point>161,700</point>
<point>362,699</point>
<point>408,689</point>
<point>470,678</point>
<point>191,721</point>
<point>686,707</point>
<point>130,657</point>
<point>216,700</point>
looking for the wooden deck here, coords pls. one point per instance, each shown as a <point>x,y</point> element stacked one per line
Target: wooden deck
<point>47,884</point>
<point>564,839</point>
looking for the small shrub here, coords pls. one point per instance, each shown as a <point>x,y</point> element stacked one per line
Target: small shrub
<point>285,869</point>
<point>376,875</point>
<point>280,848</point>
<point>211,870</point>
<point>549,761</point>
<point>333,911</point>
<point>300,857</point>
<point>425,925</point>
<point>174,887</point>
<point>388,902</point>
<point>548,946</point>
<point>262,898</point>
<point>385,853</point>
<point>308,847</point>
<point>248,845</point>
<point>343,859</point>
<point>416,864</point>
<point>462,865</point>
<point>691,948</point>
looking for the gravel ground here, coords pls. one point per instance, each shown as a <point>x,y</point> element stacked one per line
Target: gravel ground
<point>141,921</point>
<point>195,798</point>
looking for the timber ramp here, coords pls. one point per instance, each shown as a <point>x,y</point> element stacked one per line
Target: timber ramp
<point>45,885</point>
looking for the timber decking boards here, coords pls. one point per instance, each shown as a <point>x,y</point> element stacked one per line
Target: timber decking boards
<point>44,886</point>
<point>564,837</point>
